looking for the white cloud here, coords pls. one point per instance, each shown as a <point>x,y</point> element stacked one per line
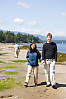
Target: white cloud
<point>25,5</point>
<point>59,33</point>
<point>60,26</point>
<point>1,21</point>
<point>63,13</point>
<point>37,31</point>
<point>26,30</point>
<point>34,23</point>
<point>54,33</point>
<point>7,29</point>
<point>18,20</point>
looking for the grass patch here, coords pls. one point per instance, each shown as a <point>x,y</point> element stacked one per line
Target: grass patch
<point>19,60</point>
<point>2,61</point>
<point>61,57</point>
<point>7,84</point>
<point>39,62</point>
<point>24,47</point>
<point>6,67</point>
<point>11,72</point>
<point>60,63</point>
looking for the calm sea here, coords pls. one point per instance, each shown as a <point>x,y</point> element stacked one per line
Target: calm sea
<point>61,46</point>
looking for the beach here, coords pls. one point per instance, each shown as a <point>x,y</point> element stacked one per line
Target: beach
<point>31,92</point>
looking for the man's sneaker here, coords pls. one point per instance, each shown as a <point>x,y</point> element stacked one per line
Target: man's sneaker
<point>35,84</point>
<point>48,85</point>
<point>54,86</point>
<point>26,84</point>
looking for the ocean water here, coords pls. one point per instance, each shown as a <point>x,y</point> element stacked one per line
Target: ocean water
<point>61,46</point>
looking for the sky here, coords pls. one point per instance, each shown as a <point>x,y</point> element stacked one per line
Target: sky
<point>34,16</point>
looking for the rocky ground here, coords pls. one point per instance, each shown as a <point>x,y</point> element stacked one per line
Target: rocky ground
<point>31,92</point>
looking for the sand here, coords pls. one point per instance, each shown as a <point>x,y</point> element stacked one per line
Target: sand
<point>31,92</point>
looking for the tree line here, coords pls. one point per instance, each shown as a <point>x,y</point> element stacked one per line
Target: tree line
<point>10,37</point>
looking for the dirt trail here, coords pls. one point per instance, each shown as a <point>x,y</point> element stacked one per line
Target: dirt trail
<point>32,92</point>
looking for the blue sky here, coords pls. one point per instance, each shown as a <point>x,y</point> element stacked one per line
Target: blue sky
<point>34,16</point>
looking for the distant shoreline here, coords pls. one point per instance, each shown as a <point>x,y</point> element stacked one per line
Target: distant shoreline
<point>7,49</point>
<point>26,43</point>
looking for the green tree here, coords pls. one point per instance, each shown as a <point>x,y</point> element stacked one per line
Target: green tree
<point>10,37</point>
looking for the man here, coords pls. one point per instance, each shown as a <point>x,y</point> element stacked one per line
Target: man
<point>49,56</point>
<point>16,50</point>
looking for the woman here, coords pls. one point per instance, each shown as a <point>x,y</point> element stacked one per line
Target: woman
<point>32,56</point>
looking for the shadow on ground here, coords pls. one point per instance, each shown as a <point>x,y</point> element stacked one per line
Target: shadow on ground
<point>61,85</point>
<point>44,83</point>
<point>3,54</point>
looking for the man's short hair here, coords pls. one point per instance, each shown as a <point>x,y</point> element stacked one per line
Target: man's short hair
<point>49,34</point>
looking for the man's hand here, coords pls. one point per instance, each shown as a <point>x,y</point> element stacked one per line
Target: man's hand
<point>42,61</point>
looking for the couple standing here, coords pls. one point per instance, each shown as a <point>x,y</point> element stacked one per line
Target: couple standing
<point>49,58</point>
